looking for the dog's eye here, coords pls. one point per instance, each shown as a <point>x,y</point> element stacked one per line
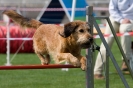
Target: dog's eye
<point>81,30</point>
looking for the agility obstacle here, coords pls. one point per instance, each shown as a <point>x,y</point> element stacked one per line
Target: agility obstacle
<point>89,70</point>
<point>50,66</point>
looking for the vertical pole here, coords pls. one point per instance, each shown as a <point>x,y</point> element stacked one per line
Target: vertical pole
<point>24,4</point>
<point>73,10</point>
<point>8,45</point>
<point>107,69</point>
<point>6,20</point>
<point>131,61</point>
<point>89,53</point>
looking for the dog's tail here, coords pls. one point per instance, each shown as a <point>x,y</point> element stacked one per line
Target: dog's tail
<point>22,21</point>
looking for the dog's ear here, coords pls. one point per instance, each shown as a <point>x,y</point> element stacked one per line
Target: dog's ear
<point>68,29</point>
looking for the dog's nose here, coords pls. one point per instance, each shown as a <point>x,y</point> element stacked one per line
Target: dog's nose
<point>91,39</point>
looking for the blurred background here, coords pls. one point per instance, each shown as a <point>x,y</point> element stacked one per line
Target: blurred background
<point>34,9</point>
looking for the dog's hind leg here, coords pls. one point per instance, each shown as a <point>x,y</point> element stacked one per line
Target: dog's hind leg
<point>44,60</point>
<point>47,57</point>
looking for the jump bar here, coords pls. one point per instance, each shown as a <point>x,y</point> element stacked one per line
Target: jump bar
<point>50,66</point>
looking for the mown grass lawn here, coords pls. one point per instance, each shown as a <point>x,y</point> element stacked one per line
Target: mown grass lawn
<point>55,78</point>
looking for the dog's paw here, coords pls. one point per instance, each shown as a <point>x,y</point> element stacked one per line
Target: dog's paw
<point>83,67</point>
<point>75,62</point>
<point>45,62</point>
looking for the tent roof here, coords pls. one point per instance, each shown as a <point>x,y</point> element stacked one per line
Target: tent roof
<point>63,9</point>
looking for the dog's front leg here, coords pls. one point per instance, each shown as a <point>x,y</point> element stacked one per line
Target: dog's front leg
<point>83,62</point>
<point>69,58</point>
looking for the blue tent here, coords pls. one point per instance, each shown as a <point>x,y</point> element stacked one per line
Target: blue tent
<point>80,7</point>
<point>56,17</point>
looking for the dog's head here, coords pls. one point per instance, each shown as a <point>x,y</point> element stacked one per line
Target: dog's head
<point>80,31</point>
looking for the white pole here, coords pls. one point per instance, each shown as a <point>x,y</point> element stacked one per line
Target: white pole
<point>73,10</point>
<point>7,20</point>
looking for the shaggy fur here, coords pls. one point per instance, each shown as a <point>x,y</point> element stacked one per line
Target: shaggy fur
<point>62,43</point>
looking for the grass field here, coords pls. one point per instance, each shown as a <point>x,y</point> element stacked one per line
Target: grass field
<point>55,78</point>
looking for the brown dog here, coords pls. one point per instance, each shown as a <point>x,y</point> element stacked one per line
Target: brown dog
<point>62,43</point>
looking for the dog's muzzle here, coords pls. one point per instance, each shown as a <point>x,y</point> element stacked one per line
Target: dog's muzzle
<point>87,44</point>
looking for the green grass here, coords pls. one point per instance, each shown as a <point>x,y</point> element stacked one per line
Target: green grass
<point>55,78</point>
<point>45,78</point>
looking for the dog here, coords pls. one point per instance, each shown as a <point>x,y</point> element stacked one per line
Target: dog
<point>63,43</point>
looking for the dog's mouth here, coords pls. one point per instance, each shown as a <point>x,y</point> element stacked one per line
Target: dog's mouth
<point>87,44</point>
